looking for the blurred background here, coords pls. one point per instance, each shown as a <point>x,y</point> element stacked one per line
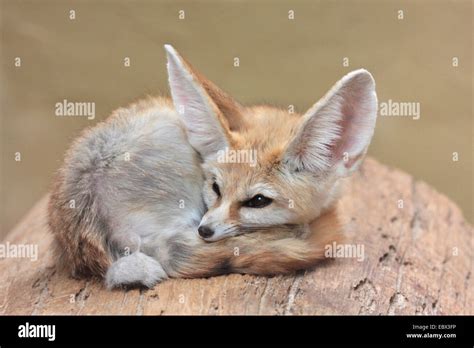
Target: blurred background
<point>282,61</point>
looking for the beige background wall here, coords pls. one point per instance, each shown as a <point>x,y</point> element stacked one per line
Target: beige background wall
<point>282,62</point>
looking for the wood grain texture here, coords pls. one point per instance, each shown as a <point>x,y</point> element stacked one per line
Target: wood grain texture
<point>418,260</point>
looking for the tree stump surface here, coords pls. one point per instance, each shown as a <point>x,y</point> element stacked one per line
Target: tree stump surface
<point>418,260</point>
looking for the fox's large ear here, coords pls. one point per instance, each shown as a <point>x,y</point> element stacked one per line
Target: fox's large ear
<point>202,105</point>
<point>230,109</point>
<point>336,132</point>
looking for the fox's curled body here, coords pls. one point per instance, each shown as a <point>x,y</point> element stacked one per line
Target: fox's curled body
<point>134,184</point>
<point>128,201</point>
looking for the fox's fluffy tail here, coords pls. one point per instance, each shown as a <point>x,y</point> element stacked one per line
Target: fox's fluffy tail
<point>277,251</point>
<point>79,231</point>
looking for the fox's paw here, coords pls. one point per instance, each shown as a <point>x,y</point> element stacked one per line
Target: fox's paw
<point>134,270</point>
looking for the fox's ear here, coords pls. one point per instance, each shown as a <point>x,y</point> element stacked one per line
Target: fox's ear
<point>230,109</point>
<point>336,132</point>
<point>202,105</point>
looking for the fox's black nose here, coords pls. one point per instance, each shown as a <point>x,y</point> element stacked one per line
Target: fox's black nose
<point>205,232</point>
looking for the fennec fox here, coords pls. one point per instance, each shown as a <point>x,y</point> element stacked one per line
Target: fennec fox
<point>146,194</point>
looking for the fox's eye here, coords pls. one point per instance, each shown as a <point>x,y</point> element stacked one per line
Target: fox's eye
<point>258,201</point>
<point>215,188</point>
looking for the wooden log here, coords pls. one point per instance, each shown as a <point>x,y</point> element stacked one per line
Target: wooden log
<point>417,260</point>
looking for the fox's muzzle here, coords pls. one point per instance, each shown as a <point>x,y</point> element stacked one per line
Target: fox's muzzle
<point>205,231</point>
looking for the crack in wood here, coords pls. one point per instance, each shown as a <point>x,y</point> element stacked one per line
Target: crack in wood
<point>466,286</point>
<point>293,292</point>
<point>82,295</point>
<point>259,308</point>
<point>389,255</point>
<point>397,301</point>
<point>140,306</point>
<point>44,290</point>
<point>440,282</point>
<point>4,304</point>
<point>365,293</point>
